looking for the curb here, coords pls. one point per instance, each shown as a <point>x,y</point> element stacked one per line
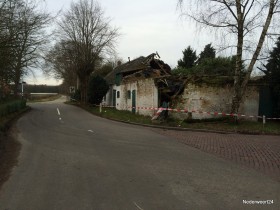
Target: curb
<point>186,129</point>
<point>189,129</point>
<point>167,127</point>
<point>178,128</point>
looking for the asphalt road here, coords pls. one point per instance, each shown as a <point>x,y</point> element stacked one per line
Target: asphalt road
<point>72,160</point>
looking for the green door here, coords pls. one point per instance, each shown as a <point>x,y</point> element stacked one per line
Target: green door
<point>114,98</point>
<point>133,101</point>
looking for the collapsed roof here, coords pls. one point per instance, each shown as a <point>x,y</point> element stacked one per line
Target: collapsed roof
<point>150,66</point>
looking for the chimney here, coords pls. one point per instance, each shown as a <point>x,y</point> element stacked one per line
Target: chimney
<point>128,59</point>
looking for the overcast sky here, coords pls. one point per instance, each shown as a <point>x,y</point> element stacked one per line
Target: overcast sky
<point>146,26</point>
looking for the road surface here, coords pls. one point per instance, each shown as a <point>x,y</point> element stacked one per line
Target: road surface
<point>72,160</point>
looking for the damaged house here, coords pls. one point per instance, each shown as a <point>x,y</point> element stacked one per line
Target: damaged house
<point>146,83</point>
<point>133,87</point>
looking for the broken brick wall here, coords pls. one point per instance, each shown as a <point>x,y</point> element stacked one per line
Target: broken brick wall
<point>214,99</point>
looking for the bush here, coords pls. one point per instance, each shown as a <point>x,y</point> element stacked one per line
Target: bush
<point>11,107</point>
<point>98,88</point>
<point>77,95</point>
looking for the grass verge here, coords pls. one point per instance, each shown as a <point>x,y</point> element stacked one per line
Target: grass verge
<point>223,125</point>
<point>244,126</point>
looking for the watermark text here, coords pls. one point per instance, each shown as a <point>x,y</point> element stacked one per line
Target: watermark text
<point>263,202</point>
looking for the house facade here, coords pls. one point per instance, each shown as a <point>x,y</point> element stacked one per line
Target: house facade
<point>132,85</point>
<point>146,83</point>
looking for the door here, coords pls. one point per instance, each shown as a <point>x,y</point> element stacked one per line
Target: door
<point>134,101</point>
<point>114,98</point>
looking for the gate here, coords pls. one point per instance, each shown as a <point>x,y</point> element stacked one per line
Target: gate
<point>265,102</point>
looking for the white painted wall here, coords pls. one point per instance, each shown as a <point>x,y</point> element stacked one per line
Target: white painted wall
<point>195,97</point>
<point>146,96</point>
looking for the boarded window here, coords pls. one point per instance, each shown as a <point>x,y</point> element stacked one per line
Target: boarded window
<point>128,94</point>
<point>118,94</point>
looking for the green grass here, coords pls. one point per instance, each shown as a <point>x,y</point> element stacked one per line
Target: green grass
<point>226,124</point>
<point>119,115</point>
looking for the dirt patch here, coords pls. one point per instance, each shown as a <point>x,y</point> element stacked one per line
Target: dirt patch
<point>9,151</point>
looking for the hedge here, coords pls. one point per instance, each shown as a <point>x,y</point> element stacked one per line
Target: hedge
<point>11,107</point>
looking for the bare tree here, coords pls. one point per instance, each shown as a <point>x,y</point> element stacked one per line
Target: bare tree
<point>6,38</point>
<point>23,26</point>
<point>248,21</point>
<point>59,62</point>
<point>30,40</point>
<point>85,26</point>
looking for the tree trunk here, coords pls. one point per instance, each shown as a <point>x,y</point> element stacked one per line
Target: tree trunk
<point>236,99</point>
<point>16,81</point>
<point>84,89</point>
<point>240,86</point>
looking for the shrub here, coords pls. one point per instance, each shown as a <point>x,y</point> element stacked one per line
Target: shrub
<point>98,88</point>
<point>77,95</point>
<point>11,107</point>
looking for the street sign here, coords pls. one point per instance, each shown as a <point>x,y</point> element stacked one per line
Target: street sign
<point>72,89</point>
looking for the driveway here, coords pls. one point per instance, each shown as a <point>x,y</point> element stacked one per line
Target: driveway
<point>260,152</point>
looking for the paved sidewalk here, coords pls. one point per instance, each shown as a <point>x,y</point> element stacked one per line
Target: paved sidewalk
<point>260,152</point>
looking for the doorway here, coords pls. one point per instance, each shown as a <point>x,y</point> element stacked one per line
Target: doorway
<point>134,101</point>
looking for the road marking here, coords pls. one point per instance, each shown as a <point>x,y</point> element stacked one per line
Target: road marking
<point>138,206</point>
<point>90,131</point>
<point>58,112</point>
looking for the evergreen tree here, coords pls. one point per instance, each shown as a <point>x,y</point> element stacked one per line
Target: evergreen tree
<point>104,69</point>
<point>209,52</point>
<point>272,67</point>
<point>189,58</point>
<point>219,66</point>
<point>98,88</point>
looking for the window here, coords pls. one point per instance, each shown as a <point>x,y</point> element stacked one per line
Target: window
<point>128,94</point>
<point>118,94</point>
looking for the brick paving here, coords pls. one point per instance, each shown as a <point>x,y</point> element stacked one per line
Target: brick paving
<point>261,152</point>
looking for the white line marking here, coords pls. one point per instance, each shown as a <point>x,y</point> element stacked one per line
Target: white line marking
<point>138,206</point>
<point>58,112</point>
<point>90,131</point>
